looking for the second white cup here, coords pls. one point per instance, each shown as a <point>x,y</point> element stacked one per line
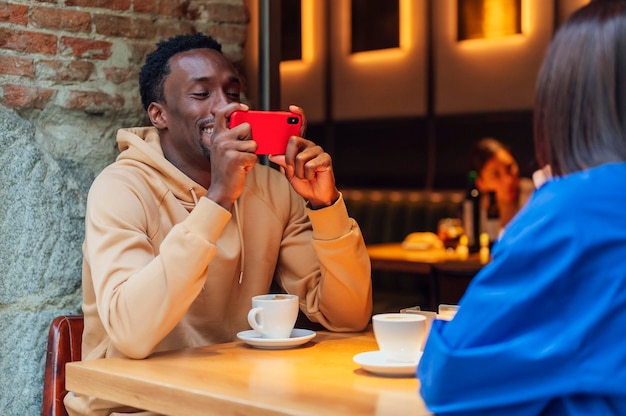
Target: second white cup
<point>399,335</point>
<point>274,315</point>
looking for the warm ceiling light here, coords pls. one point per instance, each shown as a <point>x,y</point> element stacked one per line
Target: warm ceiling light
<point>479,19</point>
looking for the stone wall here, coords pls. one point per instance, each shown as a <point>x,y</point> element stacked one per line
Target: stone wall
<point>68,81</point>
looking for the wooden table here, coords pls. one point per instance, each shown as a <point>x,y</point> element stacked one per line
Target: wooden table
<point>429,264</point>
<point>318,378</point>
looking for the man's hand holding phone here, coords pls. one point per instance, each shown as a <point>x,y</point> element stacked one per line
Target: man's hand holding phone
<point>231,157</point>
<point>308,168</point>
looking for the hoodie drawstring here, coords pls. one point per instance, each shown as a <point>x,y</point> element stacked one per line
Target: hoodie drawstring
<point>239,230</point>
<point>195,202</point>
<point>193,196</point>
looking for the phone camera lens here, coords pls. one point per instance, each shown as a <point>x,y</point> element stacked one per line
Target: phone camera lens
<point>292,120</point>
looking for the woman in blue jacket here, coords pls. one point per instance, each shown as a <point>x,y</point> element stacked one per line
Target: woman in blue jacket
<point>542,328</point>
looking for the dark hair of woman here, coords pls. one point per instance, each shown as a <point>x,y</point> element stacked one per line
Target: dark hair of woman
<point>580,108</point>
<point>484,150</point>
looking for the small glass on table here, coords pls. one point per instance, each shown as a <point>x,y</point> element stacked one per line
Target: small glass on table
<point>450,230</point>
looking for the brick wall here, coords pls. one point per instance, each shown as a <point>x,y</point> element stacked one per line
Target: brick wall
<point>85,54</point>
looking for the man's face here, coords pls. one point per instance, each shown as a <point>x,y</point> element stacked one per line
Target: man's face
<point>200,82</point>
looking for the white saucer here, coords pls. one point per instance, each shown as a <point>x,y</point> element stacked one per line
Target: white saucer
<point>375,362</point>
<point>254,338</point>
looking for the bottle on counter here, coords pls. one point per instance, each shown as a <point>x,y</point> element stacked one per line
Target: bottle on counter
<point>492,226</point>
<point>471,213</point>
<point>484,254</point>
<point>462,252</point>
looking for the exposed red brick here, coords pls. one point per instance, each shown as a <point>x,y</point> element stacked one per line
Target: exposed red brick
<point>21,96</point>
<point>26,41</point>
<point>93,101</point>
<point>185,27</point>
<point>173,8</point>
<point>138,50</point>
<point>218,12</point>
<point>65,70</point>
<point>119,75</point>
<point>166,29</point>
<point>103,4</point>
<point>123,26</point>
<point>146,6</point>
<point>13,65</point>
<point>56,18</point>
<point>85,48</point>
<point>13,13</point>
<point>228,33</point>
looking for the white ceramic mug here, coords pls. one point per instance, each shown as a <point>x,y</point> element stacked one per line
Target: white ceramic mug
<point>430,317</point>
<point>274,315</point>
<point>399,335</point>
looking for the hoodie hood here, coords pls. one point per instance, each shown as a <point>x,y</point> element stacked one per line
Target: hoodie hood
<point>142,146</point>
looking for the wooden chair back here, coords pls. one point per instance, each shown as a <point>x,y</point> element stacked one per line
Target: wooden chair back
<point>64,345</point>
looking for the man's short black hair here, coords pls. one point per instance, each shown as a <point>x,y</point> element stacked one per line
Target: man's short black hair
<point>156,68</point>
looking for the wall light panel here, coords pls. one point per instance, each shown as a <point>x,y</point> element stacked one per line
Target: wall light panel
<point>487,19</point>
<point>382,83</point>
<point>492,74</point>
<point>303,81</point>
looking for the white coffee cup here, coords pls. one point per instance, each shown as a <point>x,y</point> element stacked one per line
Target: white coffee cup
<point>274,315</point>
<point>399,335</point>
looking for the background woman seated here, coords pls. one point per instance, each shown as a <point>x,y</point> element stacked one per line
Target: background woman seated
<point>498,171</point>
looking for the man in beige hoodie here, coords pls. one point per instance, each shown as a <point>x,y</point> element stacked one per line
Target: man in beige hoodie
<point>185,227</point>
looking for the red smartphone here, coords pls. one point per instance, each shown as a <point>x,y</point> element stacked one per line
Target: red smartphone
<point>270,129</point>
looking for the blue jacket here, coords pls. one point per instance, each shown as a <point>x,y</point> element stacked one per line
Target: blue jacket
<point>542,328</point>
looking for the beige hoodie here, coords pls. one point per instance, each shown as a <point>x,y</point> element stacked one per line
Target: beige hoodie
<point>166,268</point>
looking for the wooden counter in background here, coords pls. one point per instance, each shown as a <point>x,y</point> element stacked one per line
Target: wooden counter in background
<point>446,275</point>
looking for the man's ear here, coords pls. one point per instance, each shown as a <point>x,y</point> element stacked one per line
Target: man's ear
<point>157,115</point>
